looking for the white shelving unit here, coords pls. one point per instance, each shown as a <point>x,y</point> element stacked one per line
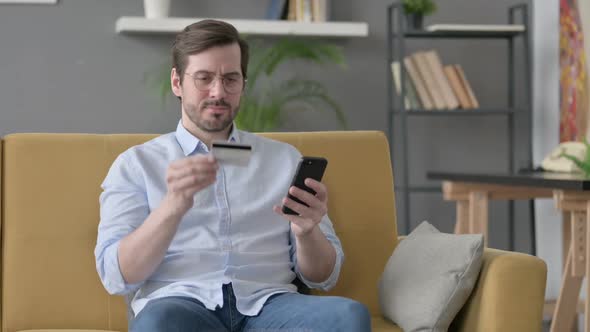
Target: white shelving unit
<point>170,25</point>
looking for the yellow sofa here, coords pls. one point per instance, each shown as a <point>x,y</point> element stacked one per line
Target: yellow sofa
<point>50,187</point>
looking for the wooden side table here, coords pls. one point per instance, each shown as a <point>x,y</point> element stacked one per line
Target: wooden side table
<point>576,206</point>
<point>571,193</point>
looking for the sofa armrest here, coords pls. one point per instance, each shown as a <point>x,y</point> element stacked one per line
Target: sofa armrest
<point>508,295</point>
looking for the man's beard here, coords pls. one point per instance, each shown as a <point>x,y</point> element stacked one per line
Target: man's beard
<point>211,126</point>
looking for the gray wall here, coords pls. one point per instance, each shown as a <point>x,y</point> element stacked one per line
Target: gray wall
<point>64,69</point>
<point>546,134</point>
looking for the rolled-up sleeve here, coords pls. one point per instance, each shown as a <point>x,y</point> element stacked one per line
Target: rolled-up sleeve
<point>123,208</point>
<point>327,228</point>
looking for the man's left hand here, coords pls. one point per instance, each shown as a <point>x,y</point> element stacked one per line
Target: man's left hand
<point>309,217</point>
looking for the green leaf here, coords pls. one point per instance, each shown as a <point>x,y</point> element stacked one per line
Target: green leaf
<point>587,156</point>
<point>309,92</point>
<point>158,82</point>
<point>297,49</point>
<point>424,7</point>
<point>582,165</point>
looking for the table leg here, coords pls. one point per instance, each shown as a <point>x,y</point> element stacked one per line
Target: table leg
<point>567,225</point>
<point>566,236</point>
<point>478,214</point>
<point>578,242</point>
<point>587,265</point>
<point>462,223</point>
<point>565,312</point>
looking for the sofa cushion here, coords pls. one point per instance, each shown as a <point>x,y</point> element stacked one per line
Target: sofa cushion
<point>429,277</point>
<point>65,330</point>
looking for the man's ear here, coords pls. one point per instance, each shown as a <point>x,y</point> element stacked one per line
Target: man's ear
<point>175,83</point>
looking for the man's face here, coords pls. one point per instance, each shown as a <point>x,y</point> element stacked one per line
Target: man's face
<point>207,106</point>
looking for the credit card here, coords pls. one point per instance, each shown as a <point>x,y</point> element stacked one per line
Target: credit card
<point>231,153</point>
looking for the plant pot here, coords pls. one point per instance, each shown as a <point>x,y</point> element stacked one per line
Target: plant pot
<point>414,21</point>
<point>156,8</point>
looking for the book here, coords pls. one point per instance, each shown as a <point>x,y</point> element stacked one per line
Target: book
<point>276,9</point>
<point>319,10</point>
<point>411,92</point>
<point>298,10</point>
<point>441,79</point>
<point>325,10</point>
<point>410,98</point>
<point>457,86</point>
<point>302,10</point>
<point>292,13</point>
<point>476,27</point>
<point>315,11</point>
<point>395,71</point>
<point>425,72</point>
<point>285,12</point>
<point>472,100</point>
<point>307,11</point>
<point>423,96</point>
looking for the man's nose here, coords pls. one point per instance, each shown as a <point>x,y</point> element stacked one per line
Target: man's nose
<point>217,89</point>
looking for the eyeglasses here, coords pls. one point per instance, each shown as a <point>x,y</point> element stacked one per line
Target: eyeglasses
<point>232,83</point>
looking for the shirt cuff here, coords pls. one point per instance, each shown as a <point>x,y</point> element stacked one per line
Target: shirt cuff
<point>113,279</point>
<point>332,279</point>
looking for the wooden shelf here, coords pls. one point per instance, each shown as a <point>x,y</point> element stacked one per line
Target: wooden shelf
<point>466,112</point>
<point>171,25</point>
<point>462,34</point>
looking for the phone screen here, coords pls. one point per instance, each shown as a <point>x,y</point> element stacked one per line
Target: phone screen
<point>308,167</point>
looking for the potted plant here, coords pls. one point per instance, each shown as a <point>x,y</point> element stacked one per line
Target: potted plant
<point>582,164</point>
<point>265,100</point>
<point>415,11</point>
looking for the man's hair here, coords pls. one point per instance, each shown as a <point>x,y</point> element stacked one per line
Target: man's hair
<point>204,35</point>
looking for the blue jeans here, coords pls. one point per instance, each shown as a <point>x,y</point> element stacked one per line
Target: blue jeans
<point>286,312</point>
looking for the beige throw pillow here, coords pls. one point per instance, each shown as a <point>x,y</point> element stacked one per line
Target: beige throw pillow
<point>429,277</point>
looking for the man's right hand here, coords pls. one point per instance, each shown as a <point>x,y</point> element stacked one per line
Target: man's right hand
<point>141,252</point>
<point>185,177</point>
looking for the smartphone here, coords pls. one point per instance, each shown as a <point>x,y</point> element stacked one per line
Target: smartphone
<point>308,167</point>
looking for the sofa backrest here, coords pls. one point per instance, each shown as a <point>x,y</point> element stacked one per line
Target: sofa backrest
<point>50,189</point>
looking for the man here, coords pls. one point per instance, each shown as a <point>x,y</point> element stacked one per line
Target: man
<point>204,246</point>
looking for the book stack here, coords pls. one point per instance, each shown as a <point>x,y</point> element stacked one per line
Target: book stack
<point>430,85</point>
<point>298,10</point>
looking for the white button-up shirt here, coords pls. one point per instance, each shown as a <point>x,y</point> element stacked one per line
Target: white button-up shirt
<point>230,235</point>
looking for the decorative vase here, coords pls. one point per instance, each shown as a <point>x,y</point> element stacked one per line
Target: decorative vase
<point>414,21</point>
<point>156,8</point>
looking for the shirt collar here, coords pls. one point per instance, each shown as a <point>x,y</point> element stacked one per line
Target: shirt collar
<point>233,134</point>
<point>189,143</point>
